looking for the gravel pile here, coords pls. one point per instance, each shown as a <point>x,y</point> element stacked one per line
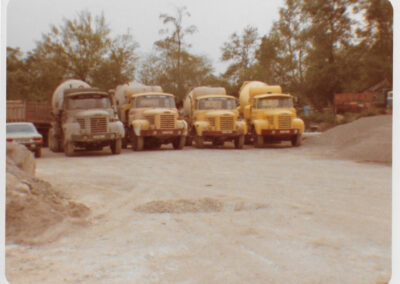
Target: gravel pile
<point>32,205</point>
<point>368,139</point>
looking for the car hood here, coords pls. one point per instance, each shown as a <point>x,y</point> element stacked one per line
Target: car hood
<point>22,135</point>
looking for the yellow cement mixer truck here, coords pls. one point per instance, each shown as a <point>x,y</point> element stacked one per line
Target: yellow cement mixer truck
<point>269,114</point>
<point>150,117</point>
<point>83,118</point>
<point>212,116</point>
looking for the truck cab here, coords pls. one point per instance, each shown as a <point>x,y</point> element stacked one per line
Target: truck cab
<point>86,120</point>
<point>270,115</point>
<point>213,117</point>
<point>152,120</point>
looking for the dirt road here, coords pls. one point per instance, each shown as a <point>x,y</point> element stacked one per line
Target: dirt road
<point>214,216</point>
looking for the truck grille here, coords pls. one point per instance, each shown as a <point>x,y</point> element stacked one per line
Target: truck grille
<point>167,121</point>
<point>211,120</point>
<point>98,125</point>
<point>284,122</point>
<point>81,122</point>
<point>270,120</point>
<point>226,122</point>
<point>150,118</point>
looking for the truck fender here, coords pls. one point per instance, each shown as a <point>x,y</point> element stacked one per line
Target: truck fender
<point>70,129</point>
<point>182,124</point>
<point>259,125</point>
<point>139,125</point>
<point>241,126</point>
<point>298,123</point>
<point>200,126</point>
<point>118,128</point>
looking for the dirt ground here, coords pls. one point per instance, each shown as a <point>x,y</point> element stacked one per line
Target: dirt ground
<point>272,215</point>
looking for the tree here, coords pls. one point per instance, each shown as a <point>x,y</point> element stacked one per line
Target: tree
<point>80,49</point>
<point>329,32</point>
<point>16,74</point>
<point>80,45</point>
<point>240,50</point>
<point>172,66</point>
<point>120,65</point>
<point>174,47</point>
<point>282,52</point>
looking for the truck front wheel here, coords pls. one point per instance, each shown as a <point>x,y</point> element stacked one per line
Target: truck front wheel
<point>296,140</point>
<point>137,143</point>
<point>199,141</point>
<point>258,141</point>
<point>179,142</point>
<point>239,142</point>
<point>69,148</point>
<point>116,146</point>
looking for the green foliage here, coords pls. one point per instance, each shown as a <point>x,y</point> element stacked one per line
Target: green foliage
<point>80,48</point>
<point>173,67</point>
<point>240,51</point>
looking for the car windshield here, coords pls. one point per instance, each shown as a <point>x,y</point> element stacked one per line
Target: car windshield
<point>88,102</point>
<point>14,128</point>
<point>155,101</point>
<point>275,102</point>
<point>217,103</point>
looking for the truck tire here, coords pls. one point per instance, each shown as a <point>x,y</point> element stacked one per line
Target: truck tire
<point>296,140</point>
<point>116,146</point>
<point>217,142</point>
<point>247,139</point>
<point>199,141</point>
<point>38,152</point>
<point>69,148</point>
<point>179,142</point>
<point>189,140</point>
<point>54,144</point>
<point>137,143</point>
<point>239,142</point>
<point>258,141</point>
<point>124,143</point>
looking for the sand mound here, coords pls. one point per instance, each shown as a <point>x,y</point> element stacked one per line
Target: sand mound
<point>367,139</point>
<point>32,205</point>
<point>181,206</point>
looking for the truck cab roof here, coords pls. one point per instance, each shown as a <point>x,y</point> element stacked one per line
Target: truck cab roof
<point>80,91</point>
<point>272,95</point>
<point>214,96</point>
<point>150,93</point>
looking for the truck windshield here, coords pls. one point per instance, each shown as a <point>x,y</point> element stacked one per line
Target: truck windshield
<point>155,101</point>
<point>88,102</point>
<point>217,103</point>
<point>275,102</point>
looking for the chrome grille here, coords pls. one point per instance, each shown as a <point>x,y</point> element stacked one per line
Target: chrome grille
<point>98,125</point>
<point>211,120</point>
<point>226,122</point>
<point>150,118</point>
<point>167,121</point>
<point>270,120</point>
<point>284,122</point>
<point>81,122</point>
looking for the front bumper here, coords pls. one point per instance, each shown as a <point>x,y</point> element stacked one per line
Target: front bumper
<point>94,137</point>
<point>162,132</point>
<point>224,133</point>
<point>279,132</point>
<point>32,146</point>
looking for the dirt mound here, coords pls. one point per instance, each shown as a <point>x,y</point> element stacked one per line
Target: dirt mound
<point>181,206</point>
<point>32,205</point>
<point>367,139</point>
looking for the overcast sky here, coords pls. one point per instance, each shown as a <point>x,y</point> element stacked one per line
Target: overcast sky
<point>216,20</point>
